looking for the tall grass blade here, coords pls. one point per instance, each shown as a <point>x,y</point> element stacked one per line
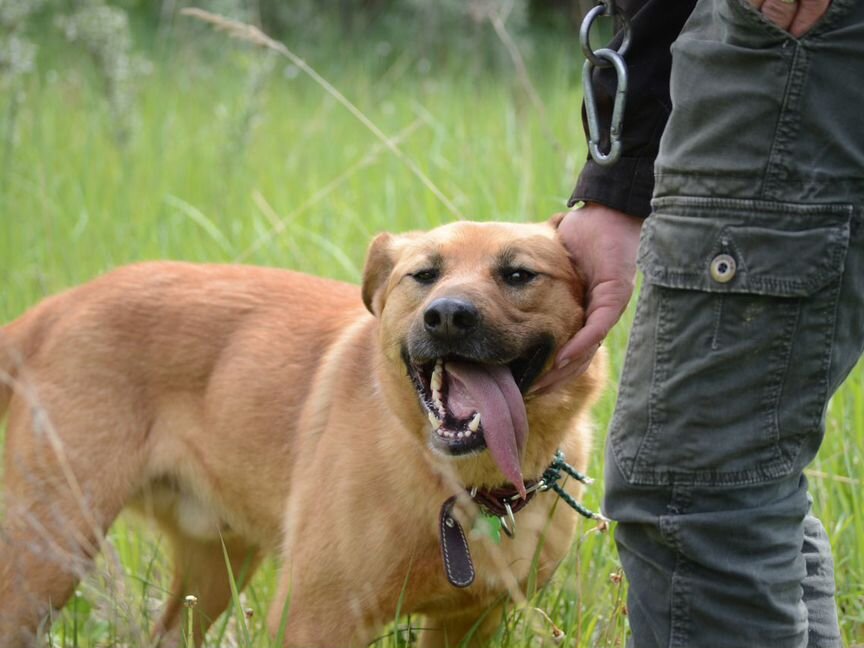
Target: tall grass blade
<point>235,598</point>
<point>254,35</point>
<point>198,217</point>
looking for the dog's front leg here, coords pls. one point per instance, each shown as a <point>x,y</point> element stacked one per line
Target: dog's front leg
<point>200,571</point>
<point>303,627</point>
<point>467,630</point>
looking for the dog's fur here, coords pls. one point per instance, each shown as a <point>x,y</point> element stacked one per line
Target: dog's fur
<point>272,409</point>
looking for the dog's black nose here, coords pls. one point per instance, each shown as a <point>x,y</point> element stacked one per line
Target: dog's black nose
<point>447,318</point>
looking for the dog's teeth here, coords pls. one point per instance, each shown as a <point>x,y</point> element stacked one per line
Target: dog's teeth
<point>474,425</point>
<point>436,399</point>
<point>435,383</point>
<point>437,376</point>
<point>461,435</point>
<point>435,421</point>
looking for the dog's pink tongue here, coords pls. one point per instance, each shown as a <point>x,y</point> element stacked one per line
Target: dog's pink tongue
<point>502,411</point>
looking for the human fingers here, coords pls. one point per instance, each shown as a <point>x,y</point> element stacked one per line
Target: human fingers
<point>809,13</point>
<point>606,302</point>
<point>602,244</point>
<point>795,16</point>
<point>589,337</point>
<point>576,355</point>
<point>779,12</point>
<point>559,375</point>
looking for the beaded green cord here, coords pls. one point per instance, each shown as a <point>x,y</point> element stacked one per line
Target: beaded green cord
<point>550,479</point>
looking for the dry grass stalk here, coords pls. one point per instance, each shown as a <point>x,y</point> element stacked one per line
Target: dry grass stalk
<point>498,19</point>
<point>252,34</point>
<point>280,223</point>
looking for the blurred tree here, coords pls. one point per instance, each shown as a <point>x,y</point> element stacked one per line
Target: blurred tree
<point>548,13</point>
<point>104,31</point>
<point>352,16</point>
<point>17,59</point>
<point>352,12</point>
<point>17,53</point>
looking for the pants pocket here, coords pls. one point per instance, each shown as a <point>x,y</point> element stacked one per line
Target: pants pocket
<point>726,373</point>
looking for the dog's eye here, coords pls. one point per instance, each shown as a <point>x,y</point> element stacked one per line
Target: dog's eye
<point>426,276</point>
<point>517,276</point>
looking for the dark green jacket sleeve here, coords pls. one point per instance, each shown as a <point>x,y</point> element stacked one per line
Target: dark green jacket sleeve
<point>627,186</point>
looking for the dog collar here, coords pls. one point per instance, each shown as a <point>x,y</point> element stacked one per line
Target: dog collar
<point>501,505</point>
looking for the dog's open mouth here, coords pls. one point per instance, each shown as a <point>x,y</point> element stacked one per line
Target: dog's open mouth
<point>474,406</point>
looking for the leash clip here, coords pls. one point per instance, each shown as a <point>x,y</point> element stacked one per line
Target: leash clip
<point>603,58</point>
<point>509,529</point>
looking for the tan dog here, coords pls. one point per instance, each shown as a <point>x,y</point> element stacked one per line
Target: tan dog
<point>270,409</point>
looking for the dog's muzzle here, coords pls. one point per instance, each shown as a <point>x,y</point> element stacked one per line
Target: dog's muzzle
<point>471,382</point>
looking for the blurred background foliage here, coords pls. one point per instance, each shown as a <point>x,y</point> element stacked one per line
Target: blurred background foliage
<point>125,126</point>
<point>116,32</point>
<point>438,30</point>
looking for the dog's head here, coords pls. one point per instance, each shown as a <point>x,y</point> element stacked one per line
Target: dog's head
<point>473,313</point>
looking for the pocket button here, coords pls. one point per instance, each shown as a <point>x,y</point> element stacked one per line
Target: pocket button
<point>722,268</point>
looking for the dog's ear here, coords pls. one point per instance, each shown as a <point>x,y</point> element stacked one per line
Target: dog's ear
<point>379,265</point>
<point>555,221</point>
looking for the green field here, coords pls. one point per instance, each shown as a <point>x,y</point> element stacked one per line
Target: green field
<point>234,155</point>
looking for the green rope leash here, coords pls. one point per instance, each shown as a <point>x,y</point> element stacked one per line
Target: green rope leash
<point>550,479</point>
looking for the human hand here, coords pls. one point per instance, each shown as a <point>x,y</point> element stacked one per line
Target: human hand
<point>602,243</point>
<point>796,17</point>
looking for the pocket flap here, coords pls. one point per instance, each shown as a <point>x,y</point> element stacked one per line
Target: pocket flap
<point>741,247</point>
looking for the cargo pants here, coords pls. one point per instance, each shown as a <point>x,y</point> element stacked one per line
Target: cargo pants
<point>750,316</point>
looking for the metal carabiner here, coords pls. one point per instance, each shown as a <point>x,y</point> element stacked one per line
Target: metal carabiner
<point>615,60</point>
<point>604,58</point>
<point>604,9</point>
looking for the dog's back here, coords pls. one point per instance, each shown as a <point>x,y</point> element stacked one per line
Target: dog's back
<point>166,309</point>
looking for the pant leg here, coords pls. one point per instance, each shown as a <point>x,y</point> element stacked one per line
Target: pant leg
<point>751,314</point>
<point>818,586</point>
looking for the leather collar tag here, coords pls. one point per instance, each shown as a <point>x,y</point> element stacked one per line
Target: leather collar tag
<point>454,548</point>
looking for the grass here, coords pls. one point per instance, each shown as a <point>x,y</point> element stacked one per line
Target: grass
<point>235,155</point>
